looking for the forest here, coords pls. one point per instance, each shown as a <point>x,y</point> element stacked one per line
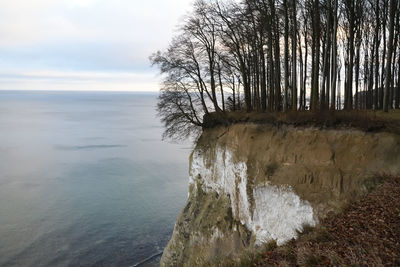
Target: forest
<point>278,56</point>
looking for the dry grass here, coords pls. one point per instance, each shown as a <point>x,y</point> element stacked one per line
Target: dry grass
<point>247,258</point>
<point>367,232</point>
<point>370,121</point>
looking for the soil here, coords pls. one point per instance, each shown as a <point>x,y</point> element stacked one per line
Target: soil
<point>366,233</point>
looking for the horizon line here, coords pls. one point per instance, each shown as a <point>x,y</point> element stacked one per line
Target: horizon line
<point>72,91</point>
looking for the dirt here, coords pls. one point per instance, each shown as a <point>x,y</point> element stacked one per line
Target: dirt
<point>324,166</point>
<point>366,233</point>
<point>329,168</point>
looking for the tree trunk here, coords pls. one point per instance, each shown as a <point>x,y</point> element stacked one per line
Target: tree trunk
<point>271,69</point>
<point>377,42</point>
<point>357,69</point>
<point>263,80</point>
<point>397,98</point>
<point>371,77</point>
<point>389,56</point>
<point>294,56</point>
<point>383,74</point>
<point>277,68</point>
<point>221,87</point>
<point>315,56</point>
<point>324,67</point>
<point>305,74</point>
<point>349,84</point>
<point>334,57</point>
<point>301,106</point>
<point>286,56</point>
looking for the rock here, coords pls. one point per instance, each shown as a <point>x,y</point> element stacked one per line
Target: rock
<point>250,184</point>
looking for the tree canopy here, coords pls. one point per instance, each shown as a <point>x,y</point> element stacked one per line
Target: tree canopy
<point>279,55</point>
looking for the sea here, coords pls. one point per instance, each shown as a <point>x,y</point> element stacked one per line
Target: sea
<point>86,179</point>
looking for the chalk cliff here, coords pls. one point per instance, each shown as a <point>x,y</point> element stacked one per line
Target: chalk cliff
<point>250,184</point>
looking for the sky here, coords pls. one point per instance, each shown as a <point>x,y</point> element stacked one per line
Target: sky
<point>84,44</point>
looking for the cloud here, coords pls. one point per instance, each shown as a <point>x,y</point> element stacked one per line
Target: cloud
<point>101,36</point>
<point>27,21</point>
<point>77,81</point>
<point>80,56</point>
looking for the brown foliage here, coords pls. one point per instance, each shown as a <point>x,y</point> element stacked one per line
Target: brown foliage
<point>366,233</point>
<point>368,121</point>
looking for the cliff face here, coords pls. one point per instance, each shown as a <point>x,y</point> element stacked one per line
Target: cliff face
<point>250,184</point>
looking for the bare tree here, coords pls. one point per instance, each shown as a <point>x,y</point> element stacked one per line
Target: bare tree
<point>228,56</point>
<point>389,55</point>
<point>294,54</point>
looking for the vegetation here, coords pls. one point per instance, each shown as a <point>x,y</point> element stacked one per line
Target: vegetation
<point>280,55</point>
<point>368,121</point>
<point>367,232</point>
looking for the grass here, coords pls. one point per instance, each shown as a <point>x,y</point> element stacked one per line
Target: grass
<point>248,257</point>
<point>365,233</point>
<point>366,120</point>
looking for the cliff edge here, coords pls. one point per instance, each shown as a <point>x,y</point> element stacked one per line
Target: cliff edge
<point>250,184</point>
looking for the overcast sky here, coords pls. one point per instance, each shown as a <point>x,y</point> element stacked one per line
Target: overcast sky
<point>84,44</point>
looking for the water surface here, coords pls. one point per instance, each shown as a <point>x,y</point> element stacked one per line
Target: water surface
<point>85,179</point>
